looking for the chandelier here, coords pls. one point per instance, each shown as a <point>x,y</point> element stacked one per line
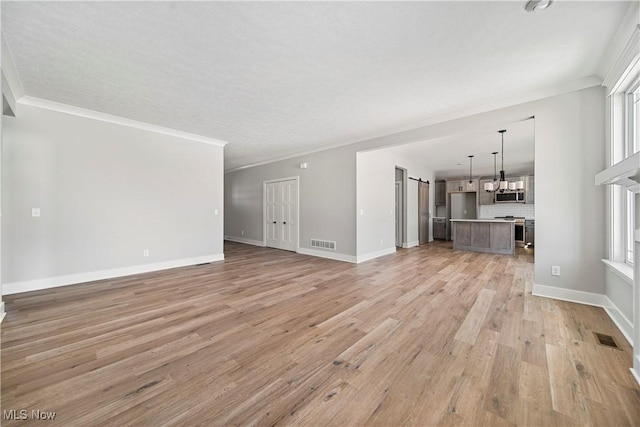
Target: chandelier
<point>503,185</point>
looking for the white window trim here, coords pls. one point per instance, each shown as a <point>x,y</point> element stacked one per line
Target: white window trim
<point>621,148</point>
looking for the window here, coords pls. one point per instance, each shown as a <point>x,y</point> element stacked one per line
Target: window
<point>629,241</point>
<point>625,142</point>
<point>634,119</point>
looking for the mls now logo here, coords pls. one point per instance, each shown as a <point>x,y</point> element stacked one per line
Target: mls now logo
<point>42,415</point>
<point>14,414</point>
<point>23,414</point>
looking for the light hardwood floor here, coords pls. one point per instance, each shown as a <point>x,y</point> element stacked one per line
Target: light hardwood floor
<point>426,336</point>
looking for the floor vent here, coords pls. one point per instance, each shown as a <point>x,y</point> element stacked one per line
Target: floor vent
<point>323,244</point>
<point>203,263</point>
<point>607,340</point>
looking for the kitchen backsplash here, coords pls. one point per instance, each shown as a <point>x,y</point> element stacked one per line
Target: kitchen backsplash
<point>505,209</point>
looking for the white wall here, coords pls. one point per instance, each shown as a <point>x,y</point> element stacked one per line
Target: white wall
<point>619,292</point>
<point>570,224</point>
<point>376,199</point>
<point>106,192</point>
<point>375,204</point>
<point>569,151</point>
<point>327,200</point>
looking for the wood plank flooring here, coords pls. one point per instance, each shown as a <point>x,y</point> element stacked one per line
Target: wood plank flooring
<point>426,336</point>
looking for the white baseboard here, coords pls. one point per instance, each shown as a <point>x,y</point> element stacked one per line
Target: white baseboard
<point>329,255</point>
<point>621,321</point>
<point>54,282</point>
<point>570,295</point>
<point>635,375</point>
<point>372,255</point>
<point>243,240</point>
<point>589,298</point>
<point>2,312</point>
<point>410,244</point>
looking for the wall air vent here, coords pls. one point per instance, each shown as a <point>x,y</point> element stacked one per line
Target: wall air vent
<point>323,244</point>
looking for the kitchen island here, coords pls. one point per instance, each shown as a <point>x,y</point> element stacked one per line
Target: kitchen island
<point>495,236</point>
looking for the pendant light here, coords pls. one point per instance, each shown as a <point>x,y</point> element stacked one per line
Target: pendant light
<point>470,184</point>
<point>504,184</point>
<point>492,186</point>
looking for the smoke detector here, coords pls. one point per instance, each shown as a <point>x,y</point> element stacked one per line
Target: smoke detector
<point>536,5</point>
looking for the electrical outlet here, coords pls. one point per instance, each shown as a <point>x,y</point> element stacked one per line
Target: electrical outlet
<point>555,270</point>
<point>145,252</point>
<point>361,211</point>
<point>242,232</point>
<point>35,212</point>
<point>215,211</point>
<point>381,241</point>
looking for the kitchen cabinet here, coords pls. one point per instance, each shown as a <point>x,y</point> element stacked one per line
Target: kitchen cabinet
<point>529,193</point>
<point>485,197</point>
<point>462,185</point>
<point>484,235</point>
<point>441,193</point>
<point>453,186</point>
<point>440,228</point>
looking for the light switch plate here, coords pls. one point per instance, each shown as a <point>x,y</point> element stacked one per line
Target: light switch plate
<point>35,212</point>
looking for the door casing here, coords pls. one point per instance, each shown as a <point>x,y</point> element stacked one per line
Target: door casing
<point>297,213</point>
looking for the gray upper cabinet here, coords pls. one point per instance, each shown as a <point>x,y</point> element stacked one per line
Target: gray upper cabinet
<point>453,186</point>
<point>485,197</point>
<point>441,193</point>
<point>462,185</point>
<point>529,193</point>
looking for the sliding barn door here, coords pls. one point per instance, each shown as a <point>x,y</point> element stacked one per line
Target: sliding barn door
<point>281,219</point>
<point>423,212</point>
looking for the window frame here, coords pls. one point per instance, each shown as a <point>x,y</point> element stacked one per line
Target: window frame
<point>625,141</point>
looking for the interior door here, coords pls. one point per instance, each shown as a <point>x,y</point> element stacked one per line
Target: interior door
<point>272,215</point>
<point>423,212</point>
<point>289,214</point>
<point>281,214</point>
<point>398,214</point>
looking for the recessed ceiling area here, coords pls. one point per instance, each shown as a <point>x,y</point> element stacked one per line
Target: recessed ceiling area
<point>278,78</point>
<point>448,156</point>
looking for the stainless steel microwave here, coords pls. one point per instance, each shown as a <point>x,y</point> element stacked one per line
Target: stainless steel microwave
<point>510,197</point>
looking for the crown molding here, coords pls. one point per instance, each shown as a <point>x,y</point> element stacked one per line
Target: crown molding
<point>453,114</point>
<point>103,117</point>
<point>12,78</point>
<point>625,61</point>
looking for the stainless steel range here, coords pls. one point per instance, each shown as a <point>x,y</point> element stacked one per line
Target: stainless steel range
<point>519,229</point>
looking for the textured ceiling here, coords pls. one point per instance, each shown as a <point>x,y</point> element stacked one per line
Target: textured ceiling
<point>448,156</point>
<point>274,79</point>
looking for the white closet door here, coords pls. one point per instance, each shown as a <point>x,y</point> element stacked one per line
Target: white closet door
<point>272,205</point>
<point>281,221</point>
<point>289,209</point>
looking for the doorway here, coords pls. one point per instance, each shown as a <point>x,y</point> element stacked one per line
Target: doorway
<point>281,214</point>
<point>400,212</point>
<point>423,212</point>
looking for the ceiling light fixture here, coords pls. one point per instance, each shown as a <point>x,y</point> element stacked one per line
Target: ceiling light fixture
<point>470,186</point>
<point>536,5</point>
<point>492,186</point>
<point>504,184</point>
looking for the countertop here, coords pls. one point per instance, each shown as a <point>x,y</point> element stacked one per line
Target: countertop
<point>483,220</point>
